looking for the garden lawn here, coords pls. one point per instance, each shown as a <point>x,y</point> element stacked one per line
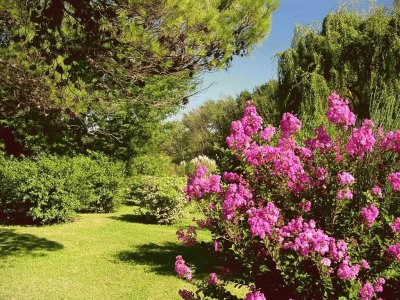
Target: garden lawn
<point>99,256</point>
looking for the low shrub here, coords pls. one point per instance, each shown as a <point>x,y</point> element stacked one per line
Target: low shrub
<point>52,189</point>
<point>161,197</point>
<point>318,219</point>
<point>36,191</point>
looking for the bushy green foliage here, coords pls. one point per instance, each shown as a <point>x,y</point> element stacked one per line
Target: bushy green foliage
<point>52,189</point>
<point>151,165</point>
<point>355,54</point>
<point>99,183</point>
<point>161,197</point>
<point>188,168</point>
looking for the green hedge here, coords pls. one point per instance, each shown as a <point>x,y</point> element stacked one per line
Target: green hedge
<point>53,189</point>
<point>161,197</point>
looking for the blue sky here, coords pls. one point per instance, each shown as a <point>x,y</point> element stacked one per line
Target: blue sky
<point>260,66</point>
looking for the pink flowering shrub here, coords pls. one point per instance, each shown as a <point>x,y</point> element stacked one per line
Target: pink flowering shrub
<point>313,219</point>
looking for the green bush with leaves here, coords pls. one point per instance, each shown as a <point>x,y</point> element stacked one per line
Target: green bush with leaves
<point>53,189</point>
<point>161,197</point>
<point>98,183</point>
<point>151,165</point>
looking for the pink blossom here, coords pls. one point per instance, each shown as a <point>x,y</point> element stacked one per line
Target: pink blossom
<point>347,272</point>
<point>213,279</point>
<point>369,214</point>
<point>289,125</point>
<point>394,180</point>
<point>365,264</point>
<point>361,140</point>
<point>378,284</point>
<point>321,141</point>
<point>396,225</point>
<point>216,246</point>
<point>305,205</point>
<point>345,194</point>
<point>345,179</point>
<point>339,112</point>
<point>376,191</point>
<point>326,262</point>
<point>236,196</point>
<point>182,269</point>
<point>256,295</point>
<point>199,184</point>
<point>262,220</point>
<point>267,133</point>
<point>393,251</point>
<point>366,292</point>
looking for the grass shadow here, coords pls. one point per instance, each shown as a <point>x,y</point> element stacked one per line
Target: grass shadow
<point>161,258</point>
<point>12,244</point>
<point>135,218</point>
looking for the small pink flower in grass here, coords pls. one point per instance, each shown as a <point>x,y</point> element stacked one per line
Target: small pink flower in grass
<point>182,269</point>
<point>213,279</point>
<point>396,225</point>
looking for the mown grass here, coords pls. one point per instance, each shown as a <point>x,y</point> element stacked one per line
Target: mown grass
<point>99,256</point>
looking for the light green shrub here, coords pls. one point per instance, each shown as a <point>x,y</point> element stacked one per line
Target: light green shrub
<point>161,197</point>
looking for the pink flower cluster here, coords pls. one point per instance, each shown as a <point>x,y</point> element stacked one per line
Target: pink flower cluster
<point>243,129</point>
<point>396,225</point>
<point>256,295</point>
<point>339,112</point>
<point>367,291</point>
<point>289,125</point>
<point>235,196</point>
<point>199,184</point>
<point>361,140</point>
<point>322,140</point>
<point>267,133</point>
<point>394,180</point>
<point>305,206</point>
<point>262,220</point>
<point>345,194</point>
<point>369,214</point>
<point>345,179</point>
<point>347,272</point>
<point>391,141</point>
<point>188,238</point>
<point>393,251</point>
<point>182,269</point>
<point>212,279</point>
<point>376,191</point>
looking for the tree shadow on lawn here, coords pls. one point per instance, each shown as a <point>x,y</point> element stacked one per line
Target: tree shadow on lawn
<point>161,258</point>
<point>135,218</point>
<point>12,244</point>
